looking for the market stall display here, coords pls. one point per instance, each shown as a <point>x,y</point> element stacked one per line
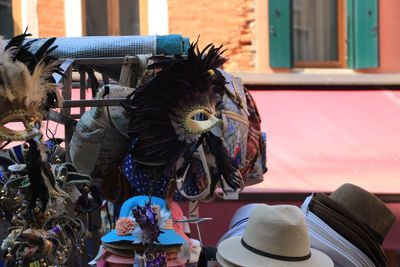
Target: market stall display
<point>169,127</point>
<point>33,188</point>
<point>145,230</point>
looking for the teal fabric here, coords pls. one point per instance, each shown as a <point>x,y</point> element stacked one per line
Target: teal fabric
<point>116,46</point>
<point>172,44</point>
<point>186,45</point>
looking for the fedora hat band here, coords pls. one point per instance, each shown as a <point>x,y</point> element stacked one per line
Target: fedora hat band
<point>375,234</point>
<point>274,256</point>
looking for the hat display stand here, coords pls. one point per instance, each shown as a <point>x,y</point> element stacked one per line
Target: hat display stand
<point>132,70</point>
<point>131,73</point>
<point>144,230</point>
<point>133,67</point>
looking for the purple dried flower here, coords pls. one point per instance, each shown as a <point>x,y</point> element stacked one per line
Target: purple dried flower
<point>148,223</point>
<point>157,260</point>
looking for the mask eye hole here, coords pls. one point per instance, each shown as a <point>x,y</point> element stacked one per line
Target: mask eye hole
<point>15,126</point>
<point>201,116</point>
<point>37,125</point>
<point>199,121</point>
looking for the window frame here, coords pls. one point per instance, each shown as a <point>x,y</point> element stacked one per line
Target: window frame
<point>16,6</point>
<point>341,42</point>
<point>113,24</point>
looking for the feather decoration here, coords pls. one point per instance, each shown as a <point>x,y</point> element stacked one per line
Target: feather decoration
<point>226,167</point>
<point>171,188</point>
<point>26,95</point>
<point>26,90</point>
<point>39,190</point>
<point>157,109</point>
<point>17,41</point>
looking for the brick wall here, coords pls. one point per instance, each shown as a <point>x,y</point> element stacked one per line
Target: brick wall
<point>51,18</point>
<point>227,22</point>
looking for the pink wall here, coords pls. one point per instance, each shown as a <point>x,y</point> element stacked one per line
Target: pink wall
<point>389,35</point>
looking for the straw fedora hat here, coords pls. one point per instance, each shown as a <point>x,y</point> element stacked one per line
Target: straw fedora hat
<point>274,236</point>
<point>224,262</point>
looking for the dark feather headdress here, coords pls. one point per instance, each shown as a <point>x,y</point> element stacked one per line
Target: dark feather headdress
<point>175,111</point>
<point>27,92</point>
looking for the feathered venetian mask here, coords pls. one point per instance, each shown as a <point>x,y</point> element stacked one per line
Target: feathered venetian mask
<point>175,111</point>
<point>26,88</point>
<point>26,95</point>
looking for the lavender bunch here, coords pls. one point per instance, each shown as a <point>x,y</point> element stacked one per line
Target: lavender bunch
<point>148,223</point>
<point>157,261</point>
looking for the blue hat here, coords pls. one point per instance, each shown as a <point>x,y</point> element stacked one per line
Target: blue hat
<point>167,237</point>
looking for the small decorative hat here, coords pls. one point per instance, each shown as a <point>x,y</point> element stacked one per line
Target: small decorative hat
<point>168,236</point>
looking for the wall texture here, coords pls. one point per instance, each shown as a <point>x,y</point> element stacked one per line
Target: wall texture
<point>51,18</point>
<point>231,23</point>
<point>389,34</point>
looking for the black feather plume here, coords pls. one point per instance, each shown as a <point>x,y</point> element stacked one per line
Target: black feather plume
<point>17,41</point>
<point>226,167</point>
<point>42,54</point>
<point>38,187</point>
<point>180,85</point>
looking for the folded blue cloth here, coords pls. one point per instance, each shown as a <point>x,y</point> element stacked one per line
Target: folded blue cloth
<point>172,44</point>
<point>116,46</point>
<point>186,45</point>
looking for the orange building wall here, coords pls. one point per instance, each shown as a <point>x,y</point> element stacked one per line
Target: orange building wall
<point>389,35</point>
<point>233,24</point>
<point>51,20</point>
<point>229,22</point>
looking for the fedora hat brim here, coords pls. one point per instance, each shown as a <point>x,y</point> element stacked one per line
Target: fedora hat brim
<point>223,262</point>
<point>168,237</point>
<point>118,259</point>
<point>347,226</point>
<point>327,240</point>
<point>232,251</point>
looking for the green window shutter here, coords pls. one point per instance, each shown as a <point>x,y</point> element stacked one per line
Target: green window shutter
<point>363,36</point>
<point>350,33</point>
<point>280,33</point>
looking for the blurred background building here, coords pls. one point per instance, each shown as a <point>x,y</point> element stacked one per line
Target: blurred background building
<point>259,35</point>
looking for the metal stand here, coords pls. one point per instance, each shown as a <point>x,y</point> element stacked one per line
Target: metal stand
<point>131,67</point>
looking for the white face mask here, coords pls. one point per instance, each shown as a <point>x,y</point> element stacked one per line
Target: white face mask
<point>190,122</point>
<point>196,126</point>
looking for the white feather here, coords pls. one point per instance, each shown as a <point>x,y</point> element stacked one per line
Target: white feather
<point>6,55</point>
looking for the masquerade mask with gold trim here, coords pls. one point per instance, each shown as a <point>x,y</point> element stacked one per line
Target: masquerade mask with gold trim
<point>26,89</point>
<point>174,112</point>
<point>27,92</point>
